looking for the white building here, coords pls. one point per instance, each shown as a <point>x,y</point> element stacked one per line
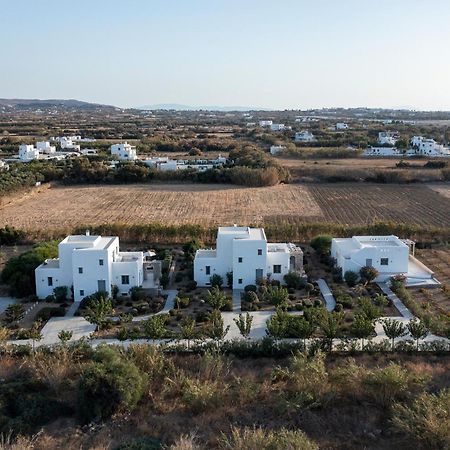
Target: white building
<point>388,254</point>
<point>277,127</point>
<point>427,147</point>
<point>124,151</point>
<point>89,264</point>
<point>265,123</point>
<point>246,253</point>
<point>276,149</point>
<point>382,151</point>
<point>44,147</point>
<point>341,126</point>
<point>304,136</point>
<point>3,165</point>
<point>67,143</point>
<point>387,138</point>
<point>28,152</point>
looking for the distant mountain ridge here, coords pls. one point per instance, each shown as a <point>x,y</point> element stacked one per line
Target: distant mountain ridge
<point>48,103</point>
<point>181,107</point>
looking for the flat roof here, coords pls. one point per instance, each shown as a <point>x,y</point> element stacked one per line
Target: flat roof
<point>90,242</point>
<point>243,232</point>
<point>50,264</point>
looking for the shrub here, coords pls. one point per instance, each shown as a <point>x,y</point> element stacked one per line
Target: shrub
<point>260,439</point>
<point>109,385</point>
<point>250,288</point>
<point>216,280</point>
<point>202,395</point>
<point>426,419</point>
<point>277,295</point>
<point>61,294</point>
<point>294,280</point>
<point>46,313</point>
<point>351,278</point>
<point>345,300</point>
<point>322,243</point>
<point>182,302</point>
<point>142,443</point>
<point>191,285</point>
<point>368,274</point>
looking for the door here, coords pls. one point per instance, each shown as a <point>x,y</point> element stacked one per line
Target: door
<point>101,285</point>
<point>259,274</point>
<point>369,262</point>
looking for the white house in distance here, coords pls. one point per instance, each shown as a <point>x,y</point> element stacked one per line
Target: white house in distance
<point>341,126</point>
<point>245,252</point>
<point>124,151</point>
<point>304,136</point>
<point>427,147</point>
<point>265,123</point>
<point>89,264</point>
<point>388,254</point>
<point>67,143</point>
<point>387,138</point>
<point>28,152</point>
<point>382,151</point>
<point>277,127</point>
<point>45,147</point>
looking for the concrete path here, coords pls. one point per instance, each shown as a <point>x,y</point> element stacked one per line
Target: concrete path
<point>170,304</point>
<point>258,330</point>
<point>237,300</point>
<point>5,302</point>
<point>79,326</point>
<point>73,309</point>
<point>402,309</point>
<point>326,294</point>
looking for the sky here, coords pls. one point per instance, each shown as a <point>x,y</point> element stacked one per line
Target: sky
<point>283,54</point>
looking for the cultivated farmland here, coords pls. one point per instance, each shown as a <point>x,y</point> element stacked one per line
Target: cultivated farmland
<point>352,204</point>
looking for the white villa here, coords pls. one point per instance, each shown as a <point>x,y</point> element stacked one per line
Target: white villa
<point>277,127</point>
<point>45,147</point>
<point>388,254</point>
<point>304,136</point>
<point>382,151</point>
<point>3,165</point>
<point>28,152</point>
<point>427,147</point>
<point>276,149</point>
<point>124,151</point>
<point>265,123</point>
<point>89,264</point>
<point>163,163</point>
<point>387,138</point>
<point>67,143</point>
<point>341,126</point>
<point>245,252</point>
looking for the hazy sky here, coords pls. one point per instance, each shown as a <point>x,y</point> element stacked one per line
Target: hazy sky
<point>279,54</point>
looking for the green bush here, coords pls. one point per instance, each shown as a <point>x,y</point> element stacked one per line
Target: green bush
<point>250,288</point>
<point>109,385</point>
<point>322,243</point>
<point>351,278</point>
<point>426,419</point>
<point>48,312</point>
<point>143,443</point>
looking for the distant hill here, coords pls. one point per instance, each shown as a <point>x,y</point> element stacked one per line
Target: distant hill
<point>179,107</point>
<point>21,103</point>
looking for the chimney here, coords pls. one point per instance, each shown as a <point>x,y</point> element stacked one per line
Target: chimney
<point>88,233</point>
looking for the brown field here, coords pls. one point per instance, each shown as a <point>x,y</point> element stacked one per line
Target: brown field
<point>355,163</point>
<point>344,203</point>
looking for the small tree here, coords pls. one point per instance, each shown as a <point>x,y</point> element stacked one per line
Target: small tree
<point>294,280</point>
<point>362,327</point>
<point>216,329</point>
<point>98,310</point>
<point>65,336</point>
<point>322,244</point>
<point>381,300</point>
<point>35,333</point>
<point>216,280</point>
<point>187,329</point>
<point>277,295</point>
<point>418,330</point>
<point>331,323</point>
<point>351,278</point>
<point>61,293</point>
<point>154,327</point>
<point>114,291</point>
<point>230,279</point>
<point>216,298</point>
<point>368,274</point>
<point>368,309</point>
<point>309,287</point>
<point>14,313</point>
<point>303,329</point>
<point>393,329</point>
<point>244,323</point>
<point>277,324</point>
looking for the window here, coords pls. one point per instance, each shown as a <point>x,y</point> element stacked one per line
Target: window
<point>208,270</point>
<point>80,270</point>
<point>240,281</point>
<point>100,262</point>
<point>125,279</point>
<point>50,281</point>
<point>277,268</point>
<point>82,292</point>
<point>384,261</point>
<point>259,251</point>
<point>240,259</point>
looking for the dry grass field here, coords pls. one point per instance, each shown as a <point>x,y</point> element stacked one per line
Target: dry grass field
<point>345,203</point>
<point>354,163</point>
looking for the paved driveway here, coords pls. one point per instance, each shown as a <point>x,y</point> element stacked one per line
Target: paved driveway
<point>5,302</point>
